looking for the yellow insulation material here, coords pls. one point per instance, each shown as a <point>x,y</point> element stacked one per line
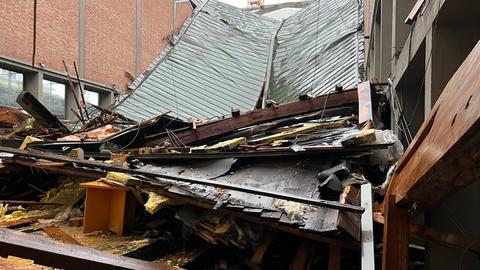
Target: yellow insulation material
<point>155,202</point>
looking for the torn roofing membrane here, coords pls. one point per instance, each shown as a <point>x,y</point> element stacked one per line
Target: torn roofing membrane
<point>222,55</point>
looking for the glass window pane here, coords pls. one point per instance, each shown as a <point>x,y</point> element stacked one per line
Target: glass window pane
<point>91,97</point>
<point>11,84</point>
<point>54,97</point>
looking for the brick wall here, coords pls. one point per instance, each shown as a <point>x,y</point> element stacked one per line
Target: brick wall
<point>110,41</point>
<point>57,33</point>
<point>158,19</point>
<point>110,27</point>
<point>16,29</point>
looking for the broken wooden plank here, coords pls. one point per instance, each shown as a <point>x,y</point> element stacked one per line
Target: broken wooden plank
<point>347,221</point>
<point>221,146</point>
<point>63,170</point>
<point>22,221</point>
<point>291,133</point>
<point>10,116</point>
<point>59,235</point>
<point>262,151</point>
<point>52,253</point>
<point>27,203</point>
<point>41,114</point>
<point>452,130</point>
<point>231,124</point>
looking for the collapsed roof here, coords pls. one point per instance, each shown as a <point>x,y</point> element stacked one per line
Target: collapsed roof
<point>225,57</point>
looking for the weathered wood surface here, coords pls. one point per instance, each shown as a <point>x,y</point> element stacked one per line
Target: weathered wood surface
<point>41,114</point>
<point>395,236</point>
<point>225,126</point>
<point>59,235</point>
<point>444,154</point>
<point>52,253</point>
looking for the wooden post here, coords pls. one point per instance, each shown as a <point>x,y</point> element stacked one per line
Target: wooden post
<point>304,256</point>
<point>395,236</point>
<point>334,258</point>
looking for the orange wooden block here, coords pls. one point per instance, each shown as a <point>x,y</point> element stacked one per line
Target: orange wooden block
<point>107,208</point>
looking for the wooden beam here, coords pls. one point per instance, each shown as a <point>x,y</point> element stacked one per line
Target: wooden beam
<point>41,114</point>
<point>439,237</point>
<point>446,239</point>
<point>228,125</point>
<point>52,253</point>
<point>444,155</point>
<point>262,248</point>
<point>59,235</point>
<point>395,236</point>
<point>334,258</point>
<point>348,221</point>
<point>303,257</point>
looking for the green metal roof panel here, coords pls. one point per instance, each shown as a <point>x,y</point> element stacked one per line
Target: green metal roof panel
<point>317,48</point>
<point>218,63</point>
<point>221,58</point>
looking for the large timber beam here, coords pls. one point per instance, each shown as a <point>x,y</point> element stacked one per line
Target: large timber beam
<point>444,155</point>
<point>66,256</point>
<point>443,158</point>
<point>225,126</point>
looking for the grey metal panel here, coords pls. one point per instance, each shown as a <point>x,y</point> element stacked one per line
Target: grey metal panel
<point>218,63</point>
<point>295,176</point>
<point>317,48</point>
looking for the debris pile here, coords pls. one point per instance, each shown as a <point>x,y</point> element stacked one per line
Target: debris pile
<point>176,191</point>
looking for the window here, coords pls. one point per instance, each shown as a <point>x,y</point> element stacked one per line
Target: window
<point>54,97</point>
<point>91,97</point>
<point>11,84</point>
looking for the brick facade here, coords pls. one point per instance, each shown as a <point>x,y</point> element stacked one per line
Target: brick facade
<point>110,34</point>
<point>158,19</point>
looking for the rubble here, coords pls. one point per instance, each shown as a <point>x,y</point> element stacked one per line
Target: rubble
<point>289,173</point>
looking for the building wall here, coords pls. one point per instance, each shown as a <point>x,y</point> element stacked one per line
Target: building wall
<point>157,26</point>
<point>109,36</point>
<point>110,41</point>
<point>57,33</point>
<point>16,27</point>
<point>424,57</point>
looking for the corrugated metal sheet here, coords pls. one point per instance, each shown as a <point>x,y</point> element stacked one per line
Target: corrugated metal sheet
<point>317,48</point>
<point>222,56</point>
<point>218,63</point>
<point>292,175</point>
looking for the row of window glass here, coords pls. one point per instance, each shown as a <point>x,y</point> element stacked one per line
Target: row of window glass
<point>11,84</point>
